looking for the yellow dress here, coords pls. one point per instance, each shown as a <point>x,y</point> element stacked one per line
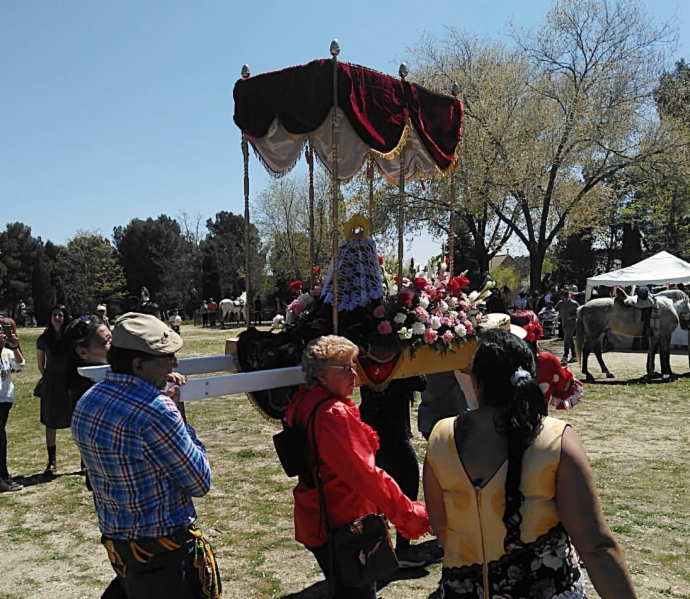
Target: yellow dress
<point>475,563</point>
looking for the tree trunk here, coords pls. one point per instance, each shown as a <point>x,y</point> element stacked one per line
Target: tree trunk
<point>536,262</point>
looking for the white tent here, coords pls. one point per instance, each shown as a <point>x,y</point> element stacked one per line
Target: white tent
<point>660,269</point>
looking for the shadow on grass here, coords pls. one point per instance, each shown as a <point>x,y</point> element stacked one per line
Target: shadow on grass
<point>656,380</point>
<point>319,590</point>
<point>41,478</point>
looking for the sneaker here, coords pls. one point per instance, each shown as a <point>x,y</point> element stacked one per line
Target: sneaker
<point>8,484</point>
<point>572,360</point>
<point>411,557</point>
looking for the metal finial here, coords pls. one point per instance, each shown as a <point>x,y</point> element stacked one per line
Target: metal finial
<point>245,71</point>
<point>335,48</point>
<point>455,89</point>
<point>402,71</point>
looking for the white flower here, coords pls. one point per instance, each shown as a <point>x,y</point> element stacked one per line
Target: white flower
<point>443,306</point>
<point>438,283</point>
<point>424,302</point>
<point>435,323</point>
<point>418,328</point>
<point>452,314</point>
<point>399,318</point>
<point>444,267</point>
<point>278,321</point>
<point>453,301</point>
<point>460,330</point>
<point>404,333</point>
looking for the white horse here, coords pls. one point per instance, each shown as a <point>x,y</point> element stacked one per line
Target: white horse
<point>233,308</point>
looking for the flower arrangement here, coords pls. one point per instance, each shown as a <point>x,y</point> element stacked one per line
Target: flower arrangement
<point>431,309</point>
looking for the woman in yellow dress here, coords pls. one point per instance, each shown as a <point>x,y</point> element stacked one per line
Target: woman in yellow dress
<point>508,488</point>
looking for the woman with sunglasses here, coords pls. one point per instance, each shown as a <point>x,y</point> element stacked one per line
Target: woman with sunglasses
<point>51,358</point>
<point>88,341</point>
<point>353,486</point>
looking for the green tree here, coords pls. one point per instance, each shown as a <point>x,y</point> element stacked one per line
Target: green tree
<point>223,252</point>
<point>90,272</point>
<point>19,250</point>
<point>149,251</point>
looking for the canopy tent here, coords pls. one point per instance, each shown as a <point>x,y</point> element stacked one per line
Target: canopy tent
<point>660,269</point>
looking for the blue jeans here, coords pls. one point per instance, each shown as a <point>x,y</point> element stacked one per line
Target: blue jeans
<point>338,589</point>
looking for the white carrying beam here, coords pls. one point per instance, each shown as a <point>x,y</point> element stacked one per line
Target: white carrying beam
<point>215,386</point>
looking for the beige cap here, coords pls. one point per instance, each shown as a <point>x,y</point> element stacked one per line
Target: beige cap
<point>145,333</point>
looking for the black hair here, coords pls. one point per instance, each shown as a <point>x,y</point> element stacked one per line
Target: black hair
<point>81,331</point>
<point>52,342</point>
<point>520,410</point>
<point>120,359</point>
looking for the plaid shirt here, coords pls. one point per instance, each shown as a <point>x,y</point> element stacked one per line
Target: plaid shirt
<point>145,464</point>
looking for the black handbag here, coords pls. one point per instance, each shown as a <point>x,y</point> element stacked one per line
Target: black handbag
<point>291,445</point>
<point>37,388</point>
<point>361,552</point>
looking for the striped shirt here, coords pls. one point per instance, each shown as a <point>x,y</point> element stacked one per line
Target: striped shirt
<point>145,464</point>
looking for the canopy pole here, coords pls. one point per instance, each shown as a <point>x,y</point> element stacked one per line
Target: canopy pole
<point>310,162</point>
<point>335,186</point>
<point>247,261</point>
<point>402,71</point>
<point>370,179</point>
<point>455,89</point>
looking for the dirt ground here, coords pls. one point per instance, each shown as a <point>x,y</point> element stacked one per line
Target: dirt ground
<point>632,434</point>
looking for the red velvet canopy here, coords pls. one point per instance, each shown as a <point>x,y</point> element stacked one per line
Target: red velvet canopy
<point>377,115</point>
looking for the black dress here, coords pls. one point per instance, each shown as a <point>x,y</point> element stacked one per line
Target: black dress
<point>56,404</point>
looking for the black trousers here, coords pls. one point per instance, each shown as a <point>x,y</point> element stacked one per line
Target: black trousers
<point>399,459</point>
<point>338,589</point>
<point>5,408</point>
<point>169,574</point>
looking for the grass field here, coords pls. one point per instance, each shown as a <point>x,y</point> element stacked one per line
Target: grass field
<point>636,437</point>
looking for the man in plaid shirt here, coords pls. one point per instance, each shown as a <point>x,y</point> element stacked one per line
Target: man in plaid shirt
<point>145,464</point>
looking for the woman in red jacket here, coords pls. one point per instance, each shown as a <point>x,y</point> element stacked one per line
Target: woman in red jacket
<point>353,485</point>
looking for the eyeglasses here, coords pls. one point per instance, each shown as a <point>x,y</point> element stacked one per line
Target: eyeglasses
<point>344,368</point>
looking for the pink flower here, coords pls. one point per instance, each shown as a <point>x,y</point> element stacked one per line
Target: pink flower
<point>421,314</point>
<point>379,312</point>
<point>297,307</point>
<point>447,321</point>
<point>448,336</point>
<point>384,328</point>
<point>430,290</point>
<point>469,327</point>
<point>430,336</point>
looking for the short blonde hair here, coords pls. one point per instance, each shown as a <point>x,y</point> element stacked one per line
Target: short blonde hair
<point>319,351</point>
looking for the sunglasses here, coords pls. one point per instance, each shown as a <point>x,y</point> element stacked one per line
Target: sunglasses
<point>344,368</point>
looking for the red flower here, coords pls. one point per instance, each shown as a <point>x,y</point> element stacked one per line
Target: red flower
<point>296,286</point>
<point>316,270</point>
<point>420,283</point>
<point>457,284</point>
<point>447,260</point>
<point>405,299</point>
<point>380,260</point>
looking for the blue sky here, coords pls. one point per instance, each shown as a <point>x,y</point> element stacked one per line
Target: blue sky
<point>122,109</point>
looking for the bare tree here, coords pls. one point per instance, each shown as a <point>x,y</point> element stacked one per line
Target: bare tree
<point>572,105</point>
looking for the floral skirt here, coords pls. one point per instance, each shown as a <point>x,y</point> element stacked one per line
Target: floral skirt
<point>543,569</point>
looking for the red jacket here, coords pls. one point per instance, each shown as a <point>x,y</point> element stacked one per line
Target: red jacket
<point>353,485</point>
